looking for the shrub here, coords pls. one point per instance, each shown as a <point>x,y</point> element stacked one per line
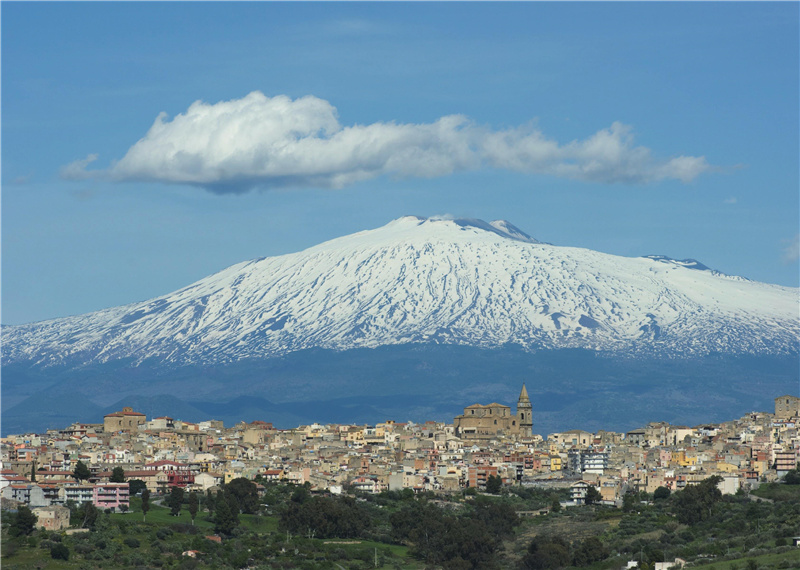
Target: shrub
<point>132,542</point>
<point>59,552</point>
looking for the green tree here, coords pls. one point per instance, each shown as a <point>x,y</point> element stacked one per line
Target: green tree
<point>210,502</point>
<point>545,553</point>
<point>493,484</point>
<point>88,513</point>
<point>81,472</point>
<point>225,520</point>
<point>33,472</point>
<point>301,494</point>
<point>793,476</point>
<point>24,522</point>
<point>175,501</point>
<point>555,505</point>
<point>136,485</point>
<point>59,551</point>
<point>246,494</point>
<point>117,475</point>
<point>696,502</point>
<point>193,505</point>
<point>589,551</point>
<point>661,493</point>
<point>593,496</point>
<point>629,502</point>
<point>145,503</point>
<point>499,518</point>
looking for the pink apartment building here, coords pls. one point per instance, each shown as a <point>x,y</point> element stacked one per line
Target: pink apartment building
<point>111,496</point>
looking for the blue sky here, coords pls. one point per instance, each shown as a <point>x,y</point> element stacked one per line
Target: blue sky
<point>628,128</point>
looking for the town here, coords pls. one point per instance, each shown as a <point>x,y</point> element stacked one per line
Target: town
<point>486,444</point>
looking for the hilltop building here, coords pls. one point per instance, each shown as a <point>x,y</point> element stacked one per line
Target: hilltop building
<point>787,407</point>
<point>126,420</point>
<point>484,422</point>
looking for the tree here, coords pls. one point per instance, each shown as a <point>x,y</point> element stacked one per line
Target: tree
<point>59,551</point>
<point>175,501</point>
<point>793,476</point>
<point>210,502</point>
<point>593,496</point>
<point>89,514</point>
<point>81,472</point>
<point>33,472</point>
<point>493,484</point>
<point>301,494</point>
<point>661,493</point>
<point>246,494</point>
<point>589,551</point>
<point>24,522</point>
<point>145,504</point>
<point>555,505</point>
<point>136,485</point>
<point>117,475</point>
<point>696,502</point>
<point>629,502</point>
<point>225,520</point>
<point>544,553</point>
<point>193,505</point>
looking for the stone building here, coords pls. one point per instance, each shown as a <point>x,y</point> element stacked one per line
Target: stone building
<point>52,518</point>
<point>787,407</point>
<point>485,422</point>
<point>126,420</point>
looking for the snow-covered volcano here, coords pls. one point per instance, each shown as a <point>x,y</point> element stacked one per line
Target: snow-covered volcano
<point>430,280</point>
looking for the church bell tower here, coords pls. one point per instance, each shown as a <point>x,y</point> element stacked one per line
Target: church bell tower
<point>524,413</point>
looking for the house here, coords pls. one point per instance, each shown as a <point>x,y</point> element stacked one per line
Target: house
<point>787,407</point>
<point>572,438</point>
<point>126,420</point>
<point>114,496</point>
<point>578,491</point>
<point>31,494</point>
<point>75,492</point>
<point>206,480</point>
<point>477,475</point>
<point>52,518</point>
<point>785,461</point>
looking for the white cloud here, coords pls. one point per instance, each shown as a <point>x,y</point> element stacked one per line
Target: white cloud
<point>730,200</point>
<point>791,249</point>
<point>260,141</point>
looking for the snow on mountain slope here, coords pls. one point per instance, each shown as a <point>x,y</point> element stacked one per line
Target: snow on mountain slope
<point>430,280</point>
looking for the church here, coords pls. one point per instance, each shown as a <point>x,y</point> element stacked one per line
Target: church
<point>482,423</point>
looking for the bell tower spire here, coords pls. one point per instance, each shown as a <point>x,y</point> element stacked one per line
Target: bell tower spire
<point>524,413</point>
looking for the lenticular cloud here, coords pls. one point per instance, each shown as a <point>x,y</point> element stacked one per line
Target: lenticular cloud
<point>268,142</point>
